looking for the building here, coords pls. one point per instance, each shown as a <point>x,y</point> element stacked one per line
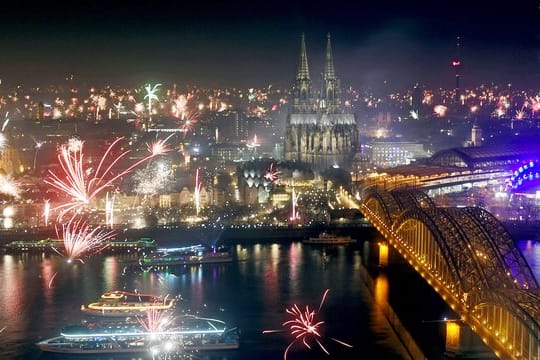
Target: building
<point>394,153</point>
<point>318,132</point>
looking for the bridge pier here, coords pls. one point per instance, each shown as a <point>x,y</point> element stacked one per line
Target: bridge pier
<point>463,343</point>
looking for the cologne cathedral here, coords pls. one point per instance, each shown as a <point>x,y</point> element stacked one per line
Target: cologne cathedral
<point>318,131</point>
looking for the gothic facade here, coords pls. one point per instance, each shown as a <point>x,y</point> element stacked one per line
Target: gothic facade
<point>318,131</point>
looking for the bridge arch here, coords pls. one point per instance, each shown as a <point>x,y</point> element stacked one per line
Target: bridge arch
<point>408,198</point>
<point>435,238</point>
<point>510,257</point>
<point>512,317</point>
<point>381,203</point>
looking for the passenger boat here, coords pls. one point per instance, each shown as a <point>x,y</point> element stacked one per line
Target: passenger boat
<point>122,303</point>
<point>190,255</point>
<point>192,333</point>
<point>325,238</point>
<point>55,245</point>
<point>45,245</point>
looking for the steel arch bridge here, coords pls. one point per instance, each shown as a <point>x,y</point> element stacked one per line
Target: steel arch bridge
<point>468,257</point>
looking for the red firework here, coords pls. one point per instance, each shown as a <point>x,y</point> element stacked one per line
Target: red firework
<point>81,182</point>
<point>80,239</point>
<point>189,119</point>
<point>272,175</point>
<point>155,321</point>
<point>305,328</point>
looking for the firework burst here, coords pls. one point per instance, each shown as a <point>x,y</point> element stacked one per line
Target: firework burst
<point>80,239</point>
<point>82,183</point>
<point>156,320</point>
<point>305,328</point>
<point>272,175</point>
<point>9,186</point>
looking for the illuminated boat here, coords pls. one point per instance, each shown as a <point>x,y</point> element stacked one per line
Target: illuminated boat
<point>45,245</point>
<point>55,245</point>
<point>122,304</point>
<point>325,238</point>
<point>192,333</point>
<point>190,255</point>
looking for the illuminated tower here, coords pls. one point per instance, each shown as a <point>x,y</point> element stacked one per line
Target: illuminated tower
<point>476,136</point>
<point>456,64</point>
<point>319,132</point>
<point>302,101</point>
<point>329,101</point>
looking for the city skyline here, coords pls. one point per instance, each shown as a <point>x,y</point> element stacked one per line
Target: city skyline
<point>248,44</point>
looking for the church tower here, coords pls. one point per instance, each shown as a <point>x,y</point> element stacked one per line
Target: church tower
<point>318,131</point>
<point>330,92</point>
<point>302,100</point>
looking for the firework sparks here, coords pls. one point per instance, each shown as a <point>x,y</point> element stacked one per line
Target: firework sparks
<point>82,183</point>
<point>79,239</point>
<point>189,119</point>
<point>151,95</point>
<point>295,215</point>
<point>272,175</point>
<point>305,328</point>
<point>197,193</point>
<point>46,212</point>
<point>159,147</point>
<point>151,180</point>
<point>6,121</point>
<point>156,320</point>
<point>3,141</point>
<point>9,186</point>
<point>109,210</point>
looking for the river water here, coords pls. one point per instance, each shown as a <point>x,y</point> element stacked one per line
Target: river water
<point>40,294</point>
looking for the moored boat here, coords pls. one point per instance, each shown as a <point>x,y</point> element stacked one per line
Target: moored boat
<point>325,238</point>
<point>56,245</point>
<point>190,255</point>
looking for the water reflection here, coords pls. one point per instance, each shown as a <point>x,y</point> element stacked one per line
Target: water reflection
<point>531,252</point>
<point>110,273</point>
<point>251,294</point>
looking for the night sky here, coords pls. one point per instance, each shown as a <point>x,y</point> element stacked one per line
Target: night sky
<point>245,44</point>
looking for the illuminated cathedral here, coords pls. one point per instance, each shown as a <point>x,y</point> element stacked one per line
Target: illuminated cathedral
<point>318,131</point>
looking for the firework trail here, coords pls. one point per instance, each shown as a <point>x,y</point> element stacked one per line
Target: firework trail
<point>46,211</point>
<point>197,193</point>
<point>3,141</point>
<point>156,320</point>
<point>79,239</point>
<point>305,328</point>
<point>81,182</point>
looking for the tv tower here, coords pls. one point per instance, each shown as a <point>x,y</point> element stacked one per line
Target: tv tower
<point>456,64</point>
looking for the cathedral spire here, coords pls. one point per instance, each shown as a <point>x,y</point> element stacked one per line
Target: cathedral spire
<point>329,101</point>
<point>303,67</point>
<point>302,101</point>
<point>329,65</point>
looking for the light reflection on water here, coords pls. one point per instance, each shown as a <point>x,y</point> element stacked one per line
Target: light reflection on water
<point>531,252</point>
<point>251,294</point>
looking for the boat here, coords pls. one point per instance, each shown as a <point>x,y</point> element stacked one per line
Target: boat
<point>123,303</point>
<point>44,245</point>
<point>56,245</point>
<point>190,255</point>
<point>326,238</point>
<point>191,333</point>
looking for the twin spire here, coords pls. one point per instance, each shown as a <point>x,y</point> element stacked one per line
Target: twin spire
<point>329,96</point>
<point>303,67</point>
